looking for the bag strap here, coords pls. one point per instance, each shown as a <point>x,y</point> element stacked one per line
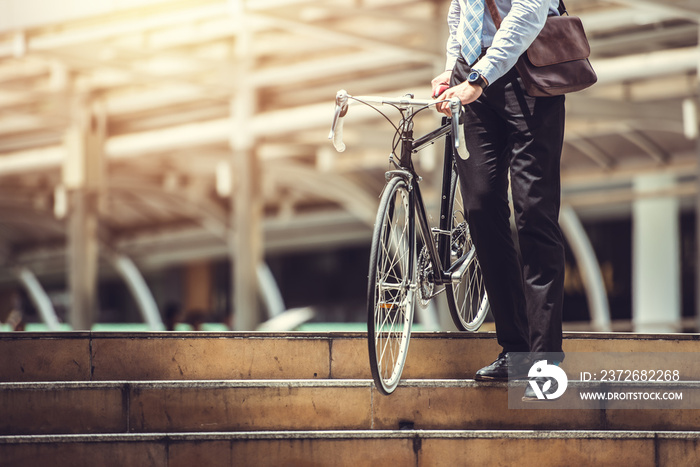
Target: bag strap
<point>495,15</point>
<point>491,4</point>
<point>562,8</point>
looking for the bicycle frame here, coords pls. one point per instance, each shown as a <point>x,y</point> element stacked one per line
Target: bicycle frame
<point>440,253</point>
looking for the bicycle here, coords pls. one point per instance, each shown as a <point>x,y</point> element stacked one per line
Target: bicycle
<point>404,264</point>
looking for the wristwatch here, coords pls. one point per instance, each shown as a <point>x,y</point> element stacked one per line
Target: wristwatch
<point>476,78</point>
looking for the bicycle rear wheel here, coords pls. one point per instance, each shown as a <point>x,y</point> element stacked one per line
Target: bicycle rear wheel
<point>391,287</point>
<point>466,299</point>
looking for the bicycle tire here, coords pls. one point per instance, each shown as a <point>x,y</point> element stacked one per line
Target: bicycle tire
<point>391,286</point>
<point>467,299</point>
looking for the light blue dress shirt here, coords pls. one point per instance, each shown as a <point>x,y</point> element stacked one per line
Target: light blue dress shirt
<point>522,22</point>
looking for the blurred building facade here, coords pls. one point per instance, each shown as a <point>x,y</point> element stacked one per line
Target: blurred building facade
<point>172,155</point>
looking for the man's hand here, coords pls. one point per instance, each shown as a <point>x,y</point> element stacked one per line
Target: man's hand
<point>466,92</point>
<point>443,79</point>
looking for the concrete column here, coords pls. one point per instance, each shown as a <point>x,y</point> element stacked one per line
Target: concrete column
<point>198,291</point>
<point>656,286</point>
<point>697,203</point>
<point>82,180</point>
<point>245,237</point>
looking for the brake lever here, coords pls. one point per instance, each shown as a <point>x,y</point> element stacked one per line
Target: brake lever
<point>459,146</point>
<point>341,109</point>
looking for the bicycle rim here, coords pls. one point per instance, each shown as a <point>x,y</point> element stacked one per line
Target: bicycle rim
<point>391,289</point>
<point>467,299</point>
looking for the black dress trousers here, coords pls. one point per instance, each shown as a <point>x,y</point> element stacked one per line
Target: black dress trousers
<point>511,134</point>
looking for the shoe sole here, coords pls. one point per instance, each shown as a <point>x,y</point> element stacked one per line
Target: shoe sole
<point>506,379</point>
<point>488,378</point>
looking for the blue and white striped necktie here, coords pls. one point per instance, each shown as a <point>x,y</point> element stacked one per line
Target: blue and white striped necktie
<point>469,31</point>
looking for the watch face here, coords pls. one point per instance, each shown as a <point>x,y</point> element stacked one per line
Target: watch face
<point>473,76</point>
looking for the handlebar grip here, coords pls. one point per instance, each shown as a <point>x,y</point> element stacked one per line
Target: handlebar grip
<point>440,89</point>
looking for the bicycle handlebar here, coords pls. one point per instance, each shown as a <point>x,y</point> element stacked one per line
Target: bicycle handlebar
<point>342,103</point>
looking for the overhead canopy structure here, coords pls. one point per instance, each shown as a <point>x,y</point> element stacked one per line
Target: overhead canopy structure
<point>157,86</point>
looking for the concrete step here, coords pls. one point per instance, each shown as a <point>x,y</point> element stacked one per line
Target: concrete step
<point>228,406</point>
<point>353,448</point>
<point>95,356</point>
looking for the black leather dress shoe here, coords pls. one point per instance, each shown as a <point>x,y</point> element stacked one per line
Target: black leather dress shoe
<point>515,364</point>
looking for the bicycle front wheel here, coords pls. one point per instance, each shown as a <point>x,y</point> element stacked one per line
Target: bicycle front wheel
<point>466,298</point>
<point>391,287</point>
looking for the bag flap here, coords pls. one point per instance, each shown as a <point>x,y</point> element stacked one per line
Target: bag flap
<point>562,39</point>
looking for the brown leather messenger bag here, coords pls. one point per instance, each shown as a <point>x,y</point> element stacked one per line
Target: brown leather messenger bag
<point>557,61</point>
